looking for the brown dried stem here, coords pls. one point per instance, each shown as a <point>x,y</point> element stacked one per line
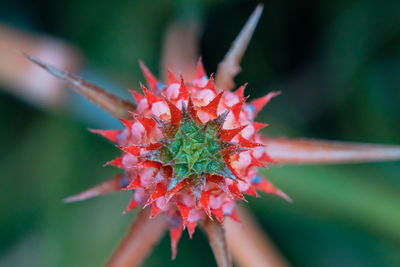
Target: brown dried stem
<point>139,241</point>
<point>180,50</point>
<point>250,247</point>
<point>216,237</point>
<point>230,65</point>
<point>111,103</point>
<point>302,151</point>
<point>104,188</point>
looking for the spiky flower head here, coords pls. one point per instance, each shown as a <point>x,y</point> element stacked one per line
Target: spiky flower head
<point>191,150</point>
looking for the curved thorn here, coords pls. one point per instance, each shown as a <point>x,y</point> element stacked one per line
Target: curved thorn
<point>106,187</point>
<point>303,151</point>
<point>230,65</point>
<point>111,103</point>
<point>143,234</point>
<point>216,237</point>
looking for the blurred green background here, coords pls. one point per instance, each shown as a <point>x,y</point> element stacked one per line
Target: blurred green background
<point>338,65</point>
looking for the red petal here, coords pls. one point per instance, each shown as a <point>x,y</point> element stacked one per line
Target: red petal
<point>205,202</point>
<point>265,158</point>
<point>228,134</point>
<point>246,143</point>
<point>151,164</point>
<point>192,111</point>
<point>127,123</point>
<point>148,123</point>
<point>200,73</point>
<point>150,78</point>
<point>267,187</point>
<point>251,191</point>
<point>111,135</point>
<point>175,234</point>
<point>138,97</point>
<point>135,183</point>
<point>258,126</point>
<point>183,92</point>
<point>237,108</point>
<point>184,211</point>
<point>155,210</point>
<point>219,214</point>
<point>175,113</point>
<point>240,91</point>
<point>134,150</point>
<point>158,192</point>
<point>255,162</point>
<point>151,146</point>
<point>212,107</point>
<point>210,84</point>
<point>178,187</point>
<point>233,188</point>
<point>171,78</point>
<point>115,162</point>
<point>132,205</point>
<point>151,98</point>
<point>220,181</point>
<point>259,103</point>
<point>191,226</point>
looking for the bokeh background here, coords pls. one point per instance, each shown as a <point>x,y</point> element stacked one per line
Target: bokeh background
<point>338,65</point>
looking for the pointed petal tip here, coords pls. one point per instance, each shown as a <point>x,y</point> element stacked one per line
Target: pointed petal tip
<point>284,196</point>
<point>200,72</point>
<point>71,199</point>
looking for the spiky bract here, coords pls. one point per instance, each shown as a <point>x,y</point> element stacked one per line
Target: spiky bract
<point>191,150</point>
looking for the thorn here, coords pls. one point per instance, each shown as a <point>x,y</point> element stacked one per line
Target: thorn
<point>259,103</point>
<point>229,134</point>
<point>171,78</point>
<point>175,114</point>
<point>237,108</point>
<point>230,65</point>
<point>210,84</point>
<point>151,98</point>
<point>212,107</point>
<point>183,92</point>
<point>111,103</point>
<point>200,73</point>
<point>192,111</point>
<point>138,97</point>
<point>151,80</point>
<point>240,91</point>
<point>111,135</point>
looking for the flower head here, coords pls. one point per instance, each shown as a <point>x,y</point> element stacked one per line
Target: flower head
<point>191,150</point>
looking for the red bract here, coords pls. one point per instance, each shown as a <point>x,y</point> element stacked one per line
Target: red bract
<point>163,113</point>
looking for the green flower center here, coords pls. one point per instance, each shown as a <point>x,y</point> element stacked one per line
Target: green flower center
<point>194,150</point>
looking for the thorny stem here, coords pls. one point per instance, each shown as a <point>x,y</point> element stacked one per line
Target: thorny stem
<point>216,238</point>
<point>111,103</point>
<point>140,240</point>
<point>250,247</point>
<point>303,151</point>
<point>230,65</point>
<point>106,187</point>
